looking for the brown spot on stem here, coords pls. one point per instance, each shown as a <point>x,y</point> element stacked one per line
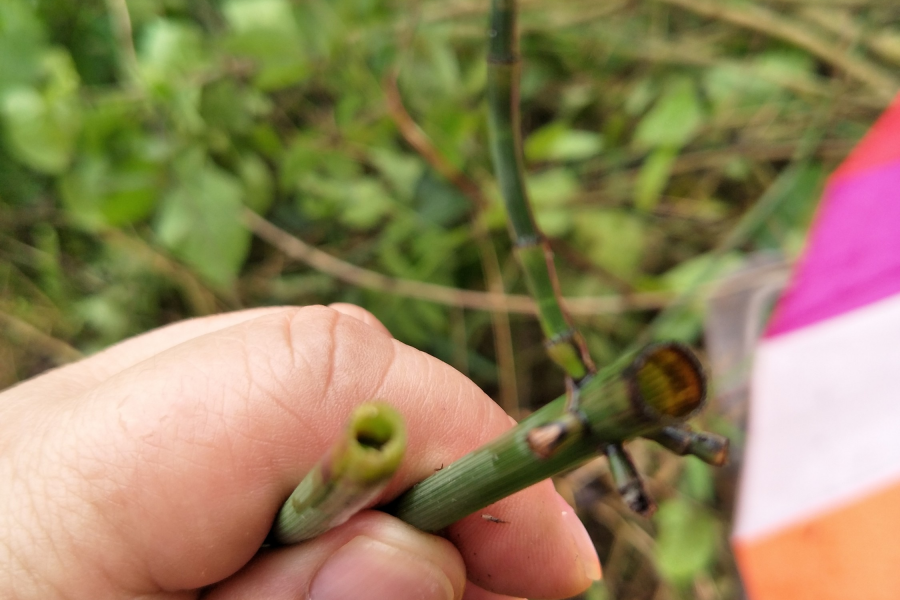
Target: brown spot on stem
<point>543,440</point>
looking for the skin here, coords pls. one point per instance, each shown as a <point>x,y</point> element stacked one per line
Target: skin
<point>154,470</point>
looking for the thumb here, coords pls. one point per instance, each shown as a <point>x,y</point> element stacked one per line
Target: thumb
<point>373,556</point>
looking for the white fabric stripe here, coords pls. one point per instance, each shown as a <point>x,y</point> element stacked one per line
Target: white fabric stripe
<point>825,418</point>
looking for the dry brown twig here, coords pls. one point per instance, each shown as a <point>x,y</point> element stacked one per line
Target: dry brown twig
<point>763,20</point>
<point>512,303</point>
<point>56,349</point>
<point>415,137</point>
<point>841,23</point>
<point>201,299</point>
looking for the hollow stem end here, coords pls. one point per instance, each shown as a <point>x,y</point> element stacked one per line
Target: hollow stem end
<point>669,381</point>
<point>374,444</point>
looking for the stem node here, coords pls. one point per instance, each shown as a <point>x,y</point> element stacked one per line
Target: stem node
<point>682,440</point>
<point>628,482</point>
<point>545,440</point>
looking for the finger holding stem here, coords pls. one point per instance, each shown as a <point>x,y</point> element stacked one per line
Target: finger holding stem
<point>348,479</point>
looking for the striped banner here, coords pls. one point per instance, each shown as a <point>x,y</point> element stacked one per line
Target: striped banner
<point>819,509</point>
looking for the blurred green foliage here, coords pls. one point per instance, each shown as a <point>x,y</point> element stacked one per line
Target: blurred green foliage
<point>135,133</point>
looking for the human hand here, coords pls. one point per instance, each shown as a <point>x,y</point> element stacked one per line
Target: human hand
<point>154,469</point>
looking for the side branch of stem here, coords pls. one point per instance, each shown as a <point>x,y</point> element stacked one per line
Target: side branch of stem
<point>565,346</point>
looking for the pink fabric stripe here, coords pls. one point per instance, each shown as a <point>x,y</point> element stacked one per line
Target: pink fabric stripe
<point>853,255</point>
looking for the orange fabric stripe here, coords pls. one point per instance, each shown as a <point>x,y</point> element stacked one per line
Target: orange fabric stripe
<point>851,552</point>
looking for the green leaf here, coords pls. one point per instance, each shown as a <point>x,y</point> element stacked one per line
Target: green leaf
<point>687,540</point>
<point>550,192</point>
<point>763,80</point>
<point>597,591</point>
<point>444,65</point>
<point>730,86</point>
<point>699,270</point>
<point>686,323</point>
<point>19,186</point>
<point>366,202</point>
<point>22,40</point>
<point>232,108</point>
<point>785,66</point>
<point>674,118</point>
<point>200,222</point>
<point>281,64</point>
<point>97,193</point>
<point>106,313</point>
<point>359,202</point>
<point>411,248</point>
<point>640,97</point>
<point>653,178</point>
<point>170,49</point>
<point>613,239</point>
<point>401,171</point>
<point>260,15</point>
<point>438,202</point>
<point>42,125</point>
<point>322,29</point>
<point>267,142</point>
<point>38,133</point>
<point>558,142</point>
<point>697,479</point>
<point>267,31</point>
<point>309,157</point>
<point>48,263</point>
<point>258,184</point>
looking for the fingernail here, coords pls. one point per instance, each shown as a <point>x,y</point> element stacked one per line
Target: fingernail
<point>368,568</point>
<point>587,553</point>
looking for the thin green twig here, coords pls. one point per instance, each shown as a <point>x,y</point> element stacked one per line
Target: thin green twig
<point>565,345</point>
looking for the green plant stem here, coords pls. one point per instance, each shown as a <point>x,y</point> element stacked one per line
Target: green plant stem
<point>350,476</point>
<point>565,346</point>
<point>680,439</point>
<point>650,393</point>
<point>662,385</point>
<point>628,481</point>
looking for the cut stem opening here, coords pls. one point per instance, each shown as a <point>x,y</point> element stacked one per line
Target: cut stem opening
<point>669,381</point>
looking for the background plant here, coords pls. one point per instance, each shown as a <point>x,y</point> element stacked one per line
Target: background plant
<point>135,136</point>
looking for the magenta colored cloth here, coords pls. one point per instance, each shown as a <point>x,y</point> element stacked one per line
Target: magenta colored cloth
<point>853,254</point>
